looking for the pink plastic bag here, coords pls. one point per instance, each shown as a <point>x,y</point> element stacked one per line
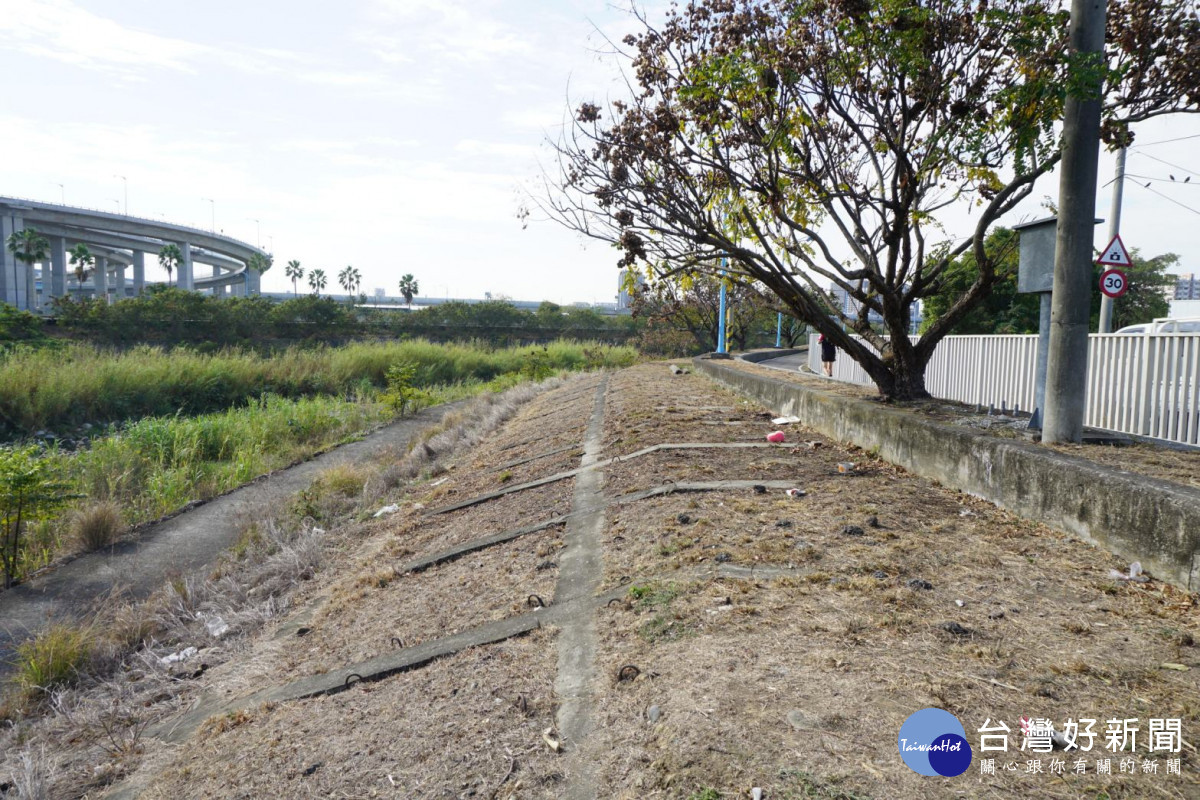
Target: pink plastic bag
<point>775,437</point>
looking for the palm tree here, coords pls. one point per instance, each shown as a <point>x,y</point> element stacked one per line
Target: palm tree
<point>356,279</point>
<point>29,247</point>
<point>82,258</point>
<point>316,280</point>
<point>169,257</point>
<point>346,280</point>
<point>408,288</point>
<point>294,271</point>
<point>260,263</point>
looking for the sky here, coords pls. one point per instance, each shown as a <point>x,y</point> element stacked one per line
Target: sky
<point>396,136</point>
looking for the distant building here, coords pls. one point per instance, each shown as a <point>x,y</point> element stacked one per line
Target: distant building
<point>1187,287</point>
<point>624,298</point>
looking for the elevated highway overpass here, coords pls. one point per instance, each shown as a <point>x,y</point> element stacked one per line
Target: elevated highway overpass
<point>120,244</point>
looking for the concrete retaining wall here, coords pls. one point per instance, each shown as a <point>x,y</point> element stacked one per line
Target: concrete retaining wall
<point>1136,517</point>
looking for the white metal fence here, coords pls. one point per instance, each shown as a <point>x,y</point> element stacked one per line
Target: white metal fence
<point>1145,384</point>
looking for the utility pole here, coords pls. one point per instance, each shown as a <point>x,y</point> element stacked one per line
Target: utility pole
<point>721,312</point>
<point>1066,379</point>
<point>1114,228</point>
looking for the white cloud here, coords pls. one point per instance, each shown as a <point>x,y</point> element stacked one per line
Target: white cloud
<point>63,30</point>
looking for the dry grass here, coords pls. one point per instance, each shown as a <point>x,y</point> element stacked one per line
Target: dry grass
<point>797,684</point>
<point>97,526</point>
<point>127,676</point>
<point>849,644</point>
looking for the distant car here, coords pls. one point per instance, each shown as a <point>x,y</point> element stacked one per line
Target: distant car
<point>1164,326</point>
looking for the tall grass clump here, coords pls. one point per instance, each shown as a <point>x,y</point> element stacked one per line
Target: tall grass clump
<point>42,389</point>
<point>53,657</point>
<point>97,526</point>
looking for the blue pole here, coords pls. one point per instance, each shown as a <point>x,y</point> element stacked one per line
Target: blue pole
<point>721,313</point>
<point>778,328</point>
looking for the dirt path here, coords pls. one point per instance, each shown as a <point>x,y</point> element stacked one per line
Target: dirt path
<point>180,544</point>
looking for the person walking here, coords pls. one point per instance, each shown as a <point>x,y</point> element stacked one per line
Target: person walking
<point>828,355</point>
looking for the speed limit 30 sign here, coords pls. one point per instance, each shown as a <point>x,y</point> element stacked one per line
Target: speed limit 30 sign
<point>1114,283</point>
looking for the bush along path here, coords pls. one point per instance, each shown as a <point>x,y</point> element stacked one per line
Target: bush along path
<point>183,543</point>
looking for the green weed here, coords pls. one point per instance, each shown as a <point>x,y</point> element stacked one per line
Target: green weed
<point>53,657</point>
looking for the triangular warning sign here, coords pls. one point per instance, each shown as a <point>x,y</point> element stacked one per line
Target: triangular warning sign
<point>1115,254</point>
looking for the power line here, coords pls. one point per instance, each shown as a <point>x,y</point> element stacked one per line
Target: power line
<point>1160,179</point>
<point>1166,141</point>
<point>1168,163</point>
<point>1173,200</point>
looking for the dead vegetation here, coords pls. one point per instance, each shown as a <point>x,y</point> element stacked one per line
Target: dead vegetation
<point>76,711</point>
<point>872,595</point>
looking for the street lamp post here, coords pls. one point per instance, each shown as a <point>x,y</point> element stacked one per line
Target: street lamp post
<point>213,208</point>
<point>125,182</point>
<point>62,190</point>
<point>257,231</point>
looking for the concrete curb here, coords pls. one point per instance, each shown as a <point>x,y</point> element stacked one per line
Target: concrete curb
<point>1134,516</point>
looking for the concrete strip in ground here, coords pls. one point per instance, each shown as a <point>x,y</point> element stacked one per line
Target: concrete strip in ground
<point>580,568</point>
<point>1135,516</point>
<point>571,473</point>
<point>458,551</point>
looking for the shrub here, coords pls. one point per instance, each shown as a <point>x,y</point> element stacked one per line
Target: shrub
<point>401,394</point>
<point>29,490</point>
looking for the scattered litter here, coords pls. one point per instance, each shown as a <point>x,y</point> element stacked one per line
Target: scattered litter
<point>175,658</point>
<point>845,467</point>
<point>313,768</point>
<point>792,493</point>
<point>872,522</point>
<point>653,713</point>
<point>676,370</point>
<point>1176,667</point>
<point>683,519</point>
<point>917,583</point>
<point>960,603</point>
<point>852,530</point>
<point>216,626</point>
<point>418,506</point>
<point>545,565</point>
<point>955,629</point>
<point>787,523</point>
<point>319,531</point>
<point>723,558</point>
<point>784,420</point>
<point>756,793</point>
<point>1135,574</point>
<point>759,488</point>
<point>438,482</point>
<point>775,437</point>
<point>392,509</point>
<point>554,744</point>
<point>997,614</point>
<point>966,512</point>
<point>879,575</point>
